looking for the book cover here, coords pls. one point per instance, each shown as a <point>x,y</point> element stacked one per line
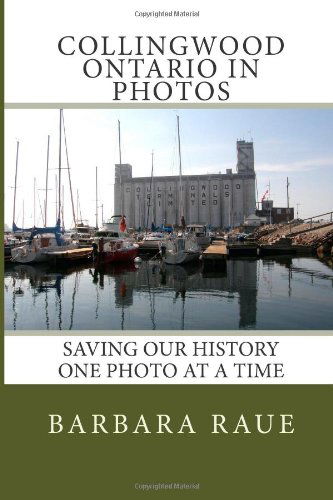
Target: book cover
<point>167,250</point>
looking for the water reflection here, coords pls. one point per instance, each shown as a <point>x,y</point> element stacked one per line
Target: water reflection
<point>267,293</point>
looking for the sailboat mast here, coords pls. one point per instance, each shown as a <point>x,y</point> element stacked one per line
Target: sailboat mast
<point>79,213</point>
<point>47,179</point>
<point>180,172</point>
<point>59,169</point>
<point>15,185</point>
<point>150,187</point>
<point>77,204</point>
<point>288,214</point>
<point>120,171</point>
<point>69,171</point>
<point>96,200</point>
<point>56,195</point>
<point>63,207</point>
<point>34,201</point>
<point>119,142</point>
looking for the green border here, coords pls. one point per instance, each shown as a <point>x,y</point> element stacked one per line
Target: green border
<point>40,467</point>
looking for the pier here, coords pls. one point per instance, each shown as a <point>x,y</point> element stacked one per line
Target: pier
<point>220,250</point>
<point>217,251</point>
<point>71,255</point>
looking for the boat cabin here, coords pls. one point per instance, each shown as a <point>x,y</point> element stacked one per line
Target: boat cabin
<point>197,229</point>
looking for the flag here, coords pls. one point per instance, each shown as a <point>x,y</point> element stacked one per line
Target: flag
<point>264,195</point>
<point>122,224</point>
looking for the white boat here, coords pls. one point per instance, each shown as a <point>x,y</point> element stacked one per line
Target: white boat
<point>151,241</point>
<point>200,233</point>
<point>41,245</point>
<point>83,233</point>
<point>180,250</point>
<point>47,243</point>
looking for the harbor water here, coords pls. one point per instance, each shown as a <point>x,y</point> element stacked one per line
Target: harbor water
<point>279,293</point>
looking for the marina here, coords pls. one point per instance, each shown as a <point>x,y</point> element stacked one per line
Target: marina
<point>187,250</point>
<point>284,292</point>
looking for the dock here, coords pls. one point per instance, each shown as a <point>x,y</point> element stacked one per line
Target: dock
<point>242,249</point>
<point>72,255</point>
<point>220,251</point>
<point>217,251</point>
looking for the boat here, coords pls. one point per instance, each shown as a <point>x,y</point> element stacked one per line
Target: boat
<point>41,244</point>
<point>46,244</point>
<point>180,250</point>
<point>200,232</point>
<point>151,241</point>
<point>112,243</point>
<point>83,233</point>
<point>11,241</point>
<point>183,247</point>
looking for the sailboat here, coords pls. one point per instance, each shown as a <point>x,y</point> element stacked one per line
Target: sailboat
<point>48,243</point>
<point>151,239</point>
<point>112,243</point>
<point>182,248</point>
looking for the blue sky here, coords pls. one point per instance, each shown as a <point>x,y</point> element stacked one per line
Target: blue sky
<point>297,143</point>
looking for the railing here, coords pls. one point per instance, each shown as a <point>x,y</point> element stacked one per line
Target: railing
<point>327,220</point>
<point>316,221</point>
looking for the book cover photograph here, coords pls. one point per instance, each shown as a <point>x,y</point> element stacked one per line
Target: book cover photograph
<point>168,259</point>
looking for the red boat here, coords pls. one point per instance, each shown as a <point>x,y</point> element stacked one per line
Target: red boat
<point>112,244</point>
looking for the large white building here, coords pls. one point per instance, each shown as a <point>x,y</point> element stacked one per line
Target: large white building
<point>221,200</point>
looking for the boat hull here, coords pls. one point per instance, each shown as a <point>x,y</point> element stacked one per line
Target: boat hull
<point>181,258</point>
<point>29,256</point>
<point>149,245</point>
<point>180,250</point>
<point>121,255</point>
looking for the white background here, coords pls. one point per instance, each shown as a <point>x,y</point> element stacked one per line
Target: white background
<point>36,359</point>
<point>36,72</point>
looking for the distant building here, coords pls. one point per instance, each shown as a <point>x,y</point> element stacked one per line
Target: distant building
<point>275,215</point>
<point>220,200</point>
<point>254,220</point>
